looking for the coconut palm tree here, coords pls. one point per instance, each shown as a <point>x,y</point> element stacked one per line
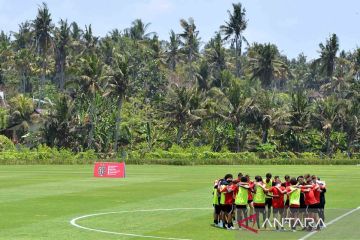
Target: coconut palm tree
<point>215,55</point>
<point>43,38</point>
<point>116,86</point>
<point>234,108</point>
<point>138,30</point>
<point>59,126</point>
<point>265,64</point>
<point>190,44</point>
<point>89,39</point>
<point>89,83</point>
<point>24,36</point>
<point>328,114</point>
<point>173,53</point>
<point>182,108</point>
<point>234,29</point>
<point>328,56</point>
<point>62,39</point>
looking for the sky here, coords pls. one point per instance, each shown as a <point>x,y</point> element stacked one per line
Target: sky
<point>295,26</point>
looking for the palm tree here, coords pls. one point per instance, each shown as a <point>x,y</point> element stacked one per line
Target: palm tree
<point>265,65</point>
<point>89,83</point>
<point>351,125</point>
<point>62,39</point>
<point>215,55</point>
<point>21,109</point>
<point>328,114</point>
<point>58,127</point>
<point>23,63</point>
<point>234,28</point>
<point>116,86</point>
<point>328,56</point>
<point>23,38</point>
<point>173,54</point>
<point>182,108</point>
<point>43,38</point>
<point>233,107</point>
<point>90,39</point>
<point>138,30</point>
<point>24,56</point>
<point>190,44</point>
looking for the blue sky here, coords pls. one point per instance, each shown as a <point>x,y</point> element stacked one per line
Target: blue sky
<point>295,26</point>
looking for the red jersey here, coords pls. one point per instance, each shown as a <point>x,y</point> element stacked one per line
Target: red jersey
<point>228,191</point>
<point>309,196</point>
<point>317,191</point>
<point>277,202</point>
<point>251,188</point>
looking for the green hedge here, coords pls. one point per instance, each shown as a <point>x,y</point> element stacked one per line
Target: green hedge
<point>174,156</point>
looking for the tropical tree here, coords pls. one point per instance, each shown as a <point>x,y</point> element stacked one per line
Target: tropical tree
<point>190,44</point>
<point>59,126</point>
<point>138,30</point>
<point>62,39</point>
<point>182,108</point>
<point>89,84</point>
<point>236,109</point>
<point>173,53</point>
<point>234,29</point>
<point>116,86</point>
<point>328,56</point>
<point>215,55</point>
<point>89,39</point>
<point>265,64</point>
<point>43,38</point>
<point>328,114</point>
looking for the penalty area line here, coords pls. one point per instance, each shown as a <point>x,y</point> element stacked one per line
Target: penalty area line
<point>331,222</point>
<point>73,222</point>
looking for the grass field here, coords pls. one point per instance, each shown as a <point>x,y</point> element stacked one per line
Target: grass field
<point>38,202</point>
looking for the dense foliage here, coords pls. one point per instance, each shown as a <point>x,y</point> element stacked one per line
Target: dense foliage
<point>131,94</point>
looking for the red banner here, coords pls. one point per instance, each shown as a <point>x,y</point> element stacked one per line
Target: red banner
<point>109,169</point>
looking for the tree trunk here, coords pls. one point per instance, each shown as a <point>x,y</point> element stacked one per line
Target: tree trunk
<point>237,55</point>
<point>62,75</point>
<point>328,142</point>
<point>42,81</point>
<point>237,138</point>
<point>179,134</point>
<point>92,123</point>
<point>265,135</point>
<point>118,121</point>
<point>23,82</point>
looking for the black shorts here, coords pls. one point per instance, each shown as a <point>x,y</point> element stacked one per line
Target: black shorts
<point>241,206</point>
<point>294,209</point>
<point>250,201</point>
<point>217,209</point>
<point>268,202</point>
<point>313,208</point>
<point>259,207</point>
<point>278,210</point>
<point>287,203</point>
<point>226,208</point>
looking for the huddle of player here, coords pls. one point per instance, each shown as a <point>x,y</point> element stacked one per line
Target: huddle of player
<point>295,200</point>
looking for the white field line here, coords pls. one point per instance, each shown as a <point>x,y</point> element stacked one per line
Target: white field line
<point>73,222</point>
<point>331,222</point>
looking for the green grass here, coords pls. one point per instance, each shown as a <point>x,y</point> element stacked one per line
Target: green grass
<point>37,202</point>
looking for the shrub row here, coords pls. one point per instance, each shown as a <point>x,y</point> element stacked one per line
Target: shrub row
<point>174,156</point>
